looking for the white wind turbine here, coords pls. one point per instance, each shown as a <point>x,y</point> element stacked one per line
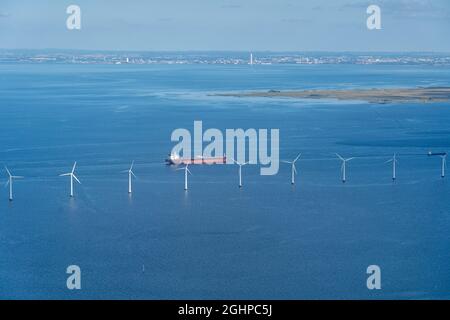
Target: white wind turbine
<point>293,169</point>
<point>10,183</point>
<point>186,172</point>
<point>72,176</point>
<point>130,174</point>
<point>394,166</point>
<point>444,164</point>
<point>443,156</point>
<point>240,171</point>
<point>343,167</point>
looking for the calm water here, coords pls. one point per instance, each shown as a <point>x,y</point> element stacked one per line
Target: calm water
<point>268,240</point>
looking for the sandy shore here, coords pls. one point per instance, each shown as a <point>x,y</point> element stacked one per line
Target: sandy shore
<point>418,95</point>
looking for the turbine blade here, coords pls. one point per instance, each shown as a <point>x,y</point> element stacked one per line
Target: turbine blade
<point>350,159</point>
<point>65,174</point>
<point>189,171</point>
<point>6,183</point>
<point>132,164</point>
<point>295,169</point>
<point>390,160</point>
<point>132,173</point>
<point>74,166</point>
<point>298,157</point>
<point>17,177</point>
<point>339,157</point>
<point>284,161</point>
<point>9,173</point>
<point>75,177</point>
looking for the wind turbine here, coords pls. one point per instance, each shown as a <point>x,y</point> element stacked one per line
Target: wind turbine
<point>394,166</point>
<point>72,176</point>
<point>443,156</point>
<point>130,174</point>
<point>10,183</point>
<point>444,165</point>
<point>186,171</point>
<point>344,162</point>
<point>293,169</point>
<point>240,171</point>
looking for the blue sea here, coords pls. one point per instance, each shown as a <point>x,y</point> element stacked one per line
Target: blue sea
<point>267,240</point>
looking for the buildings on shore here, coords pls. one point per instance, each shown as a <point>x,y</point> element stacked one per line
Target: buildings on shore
<point>219,58</point>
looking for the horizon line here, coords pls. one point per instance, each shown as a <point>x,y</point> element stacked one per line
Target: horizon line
<point>226,50</point>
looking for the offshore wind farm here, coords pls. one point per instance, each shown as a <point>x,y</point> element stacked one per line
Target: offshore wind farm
<point>187,172</point>
<point>200,235</point>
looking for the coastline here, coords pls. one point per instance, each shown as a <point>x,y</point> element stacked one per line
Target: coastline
<point>375,95</point>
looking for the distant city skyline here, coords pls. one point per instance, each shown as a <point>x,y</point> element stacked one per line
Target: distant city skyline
<point>227,25</point>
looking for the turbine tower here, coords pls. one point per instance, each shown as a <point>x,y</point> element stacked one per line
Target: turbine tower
<point>394,166</point>
<point>130,175</point>
<point>186,171</point>
<point>344,162</point>
<point>293,169</point>
<point>240,171</point>
<point>10,183</point>
<point>72,177</point>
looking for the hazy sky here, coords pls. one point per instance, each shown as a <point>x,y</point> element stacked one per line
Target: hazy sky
<point>243,25</point>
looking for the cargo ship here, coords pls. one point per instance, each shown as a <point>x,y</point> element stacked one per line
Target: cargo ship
<point>175,159</point>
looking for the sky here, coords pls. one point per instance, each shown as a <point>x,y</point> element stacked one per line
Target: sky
<point>235,25</point>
